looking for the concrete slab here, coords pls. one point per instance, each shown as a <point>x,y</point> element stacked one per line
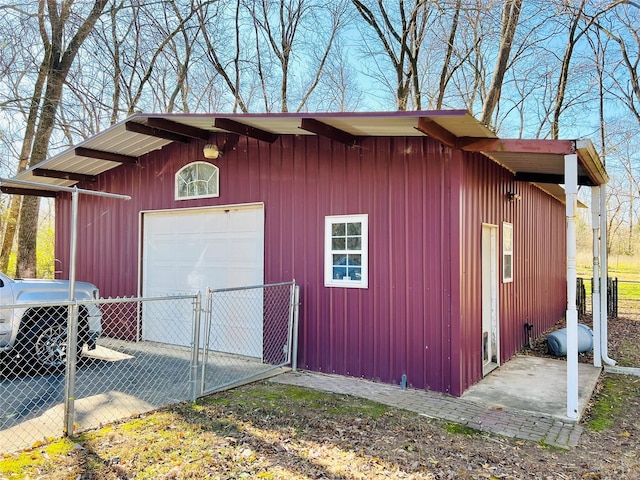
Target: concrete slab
<point>534,384</point>
<point>106,354</point>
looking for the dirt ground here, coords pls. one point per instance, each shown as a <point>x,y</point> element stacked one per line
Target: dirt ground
<point>274,431</point>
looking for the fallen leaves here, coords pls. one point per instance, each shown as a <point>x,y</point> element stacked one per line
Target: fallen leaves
<point>272,431</point>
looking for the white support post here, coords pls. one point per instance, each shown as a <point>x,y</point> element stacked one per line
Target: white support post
<point>595,296</point>
<point>571,187</point>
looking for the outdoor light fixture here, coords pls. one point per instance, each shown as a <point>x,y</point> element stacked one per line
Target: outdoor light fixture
<point>211,151</point>
<point>513,196</point>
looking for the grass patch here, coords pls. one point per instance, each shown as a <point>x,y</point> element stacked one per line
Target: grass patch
<point>273,401</point>
<point>364,408</point>
<point>627,354</point>
<point>458,429</point>
<point>628,290</point>
<point>13,466</point>
<point>616,393</point>
<point>262,430</point>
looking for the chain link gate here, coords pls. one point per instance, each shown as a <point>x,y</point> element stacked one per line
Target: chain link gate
<point>152,352</point>
<point>248,332</point>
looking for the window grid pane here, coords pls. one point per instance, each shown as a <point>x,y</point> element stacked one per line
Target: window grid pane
<point>346,260</point>
<point>338,243</point>
<point>198,179</point>
<point>338,230</point>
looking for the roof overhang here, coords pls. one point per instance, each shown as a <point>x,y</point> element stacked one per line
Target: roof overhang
<point>536,161</point>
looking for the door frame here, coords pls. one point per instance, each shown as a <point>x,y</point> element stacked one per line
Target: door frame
<point>490,317</point>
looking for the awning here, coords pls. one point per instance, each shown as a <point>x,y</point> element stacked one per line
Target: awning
<point>537,161</point>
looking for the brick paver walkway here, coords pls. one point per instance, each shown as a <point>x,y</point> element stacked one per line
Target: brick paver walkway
<point>515,424</point>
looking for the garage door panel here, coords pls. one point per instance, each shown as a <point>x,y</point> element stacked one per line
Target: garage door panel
<point>247,250</point>
<point>190,250</point>
<point>243,222</point>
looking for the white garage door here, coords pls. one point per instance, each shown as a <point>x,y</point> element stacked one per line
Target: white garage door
<point>188,250</point>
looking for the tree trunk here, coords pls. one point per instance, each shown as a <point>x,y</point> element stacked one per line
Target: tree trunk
<point>564,72</point>
<point>58,62</point>
<point>28,221</point>
<point>27,235</point>
<point>510,15</point>
<point>16,200</point>
<point>13,213</point>
<point>446,64</point>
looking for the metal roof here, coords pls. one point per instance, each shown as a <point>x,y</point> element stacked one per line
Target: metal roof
<point>539,161</point>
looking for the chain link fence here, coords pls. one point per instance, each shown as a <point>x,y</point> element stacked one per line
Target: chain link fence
<point>135,355</point>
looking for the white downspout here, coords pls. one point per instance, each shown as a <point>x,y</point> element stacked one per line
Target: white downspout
<point>571,187</point>
<point>604,336</point>
<point>595,295</point>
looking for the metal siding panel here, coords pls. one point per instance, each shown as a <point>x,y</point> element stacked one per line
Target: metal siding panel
<point>403,323</point>
<point>378,156</point>
<point>455,328</point>
<point>415,295</point>
<point>397,256</point>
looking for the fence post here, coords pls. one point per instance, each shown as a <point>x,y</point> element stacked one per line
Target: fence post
<point>582,298</point>
<point>612,290</point>
<point>292,303</point>
<point>207,334</point>
<point>70,380</point>
<point>294,341</point>
<point>195,351</point>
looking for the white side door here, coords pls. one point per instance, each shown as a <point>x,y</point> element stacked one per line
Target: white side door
<point>490,317</point>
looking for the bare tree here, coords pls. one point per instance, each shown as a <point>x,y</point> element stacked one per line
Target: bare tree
<point>573,37</point>
<point>510,15</point>
<point>17,105</point>
<point>152,50</point>
<point>55,21</point>
<point>338,88</point>
<point>181,53</point>
<point>283,32</point>
<point>401,40</point>
<point>445,75</point>
<point>577,16</point>
<point>624,31</point>
<point>13,209</point>
<point>230,76</point>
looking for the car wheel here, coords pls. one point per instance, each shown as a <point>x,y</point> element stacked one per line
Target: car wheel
<point>50,348</point>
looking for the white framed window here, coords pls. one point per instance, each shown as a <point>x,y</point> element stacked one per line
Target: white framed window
<point>507,252</point>
<point>346,252</point>
<point>197,180</point>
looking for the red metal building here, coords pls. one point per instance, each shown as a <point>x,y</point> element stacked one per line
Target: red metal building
<point>423,243</point>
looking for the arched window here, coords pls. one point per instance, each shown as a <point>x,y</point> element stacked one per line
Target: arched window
<point>197,180</point>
